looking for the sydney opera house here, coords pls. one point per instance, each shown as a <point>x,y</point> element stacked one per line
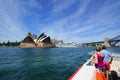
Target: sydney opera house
<point>31,41</point>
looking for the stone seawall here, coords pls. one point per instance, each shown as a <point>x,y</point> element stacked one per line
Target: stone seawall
<point>27,45</point>
<point>45,45</point>
<point>39,45</point>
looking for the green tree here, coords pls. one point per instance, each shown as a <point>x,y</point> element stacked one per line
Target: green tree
<point>3,43</point>
<point>8,43</point>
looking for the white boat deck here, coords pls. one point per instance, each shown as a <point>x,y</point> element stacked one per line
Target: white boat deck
<point>87,72</point>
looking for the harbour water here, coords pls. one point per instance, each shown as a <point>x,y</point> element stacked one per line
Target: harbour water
<point>44,63</point>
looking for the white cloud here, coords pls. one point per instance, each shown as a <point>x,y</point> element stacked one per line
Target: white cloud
<point>65,22</point>
<point>59,6</point>
<point>94,38</point>
<point>83,29</point>
<point>11,11</point>
<point>95,28</point>
<point>67,28</point>
<point>83,5</point>
<point>70,28</point>
<point>11,26</point>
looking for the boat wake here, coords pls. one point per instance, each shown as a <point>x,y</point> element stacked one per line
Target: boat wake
<point>91,52</point>
<point>116,56</point>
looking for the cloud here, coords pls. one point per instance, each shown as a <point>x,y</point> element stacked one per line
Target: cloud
<point>65,22</point>
<point>12,18</point>
<point>27,8</point>
<point>94,38</point>
<point>81,25</point>
<point>11,26</point>
<point>98,24</point>
<point>12,15</point>
<point>59,6</point>
<point>83,5</point>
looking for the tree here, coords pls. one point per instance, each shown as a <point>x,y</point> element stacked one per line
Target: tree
<point>4,43</point>
<point>8,43</point>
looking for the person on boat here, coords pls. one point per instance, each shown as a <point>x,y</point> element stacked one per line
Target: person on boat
<point>107,60</point>
<point>98,58</point>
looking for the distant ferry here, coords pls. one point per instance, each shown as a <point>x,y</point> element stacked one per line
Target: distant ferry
<point>65,45</point>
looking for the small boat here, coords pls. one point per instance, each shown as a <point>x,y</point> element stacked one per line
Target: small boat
<point>88,72</point>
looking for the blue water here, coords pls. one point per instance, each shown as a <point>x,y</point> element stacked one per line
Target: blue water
<point>43,64</point>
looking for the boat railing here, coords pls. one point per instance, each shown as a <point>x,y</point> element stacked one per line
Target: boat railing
<point>89,63</point>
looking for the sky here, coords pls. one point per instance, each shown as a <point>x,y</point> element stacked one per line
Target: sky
<point>78,21</point>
